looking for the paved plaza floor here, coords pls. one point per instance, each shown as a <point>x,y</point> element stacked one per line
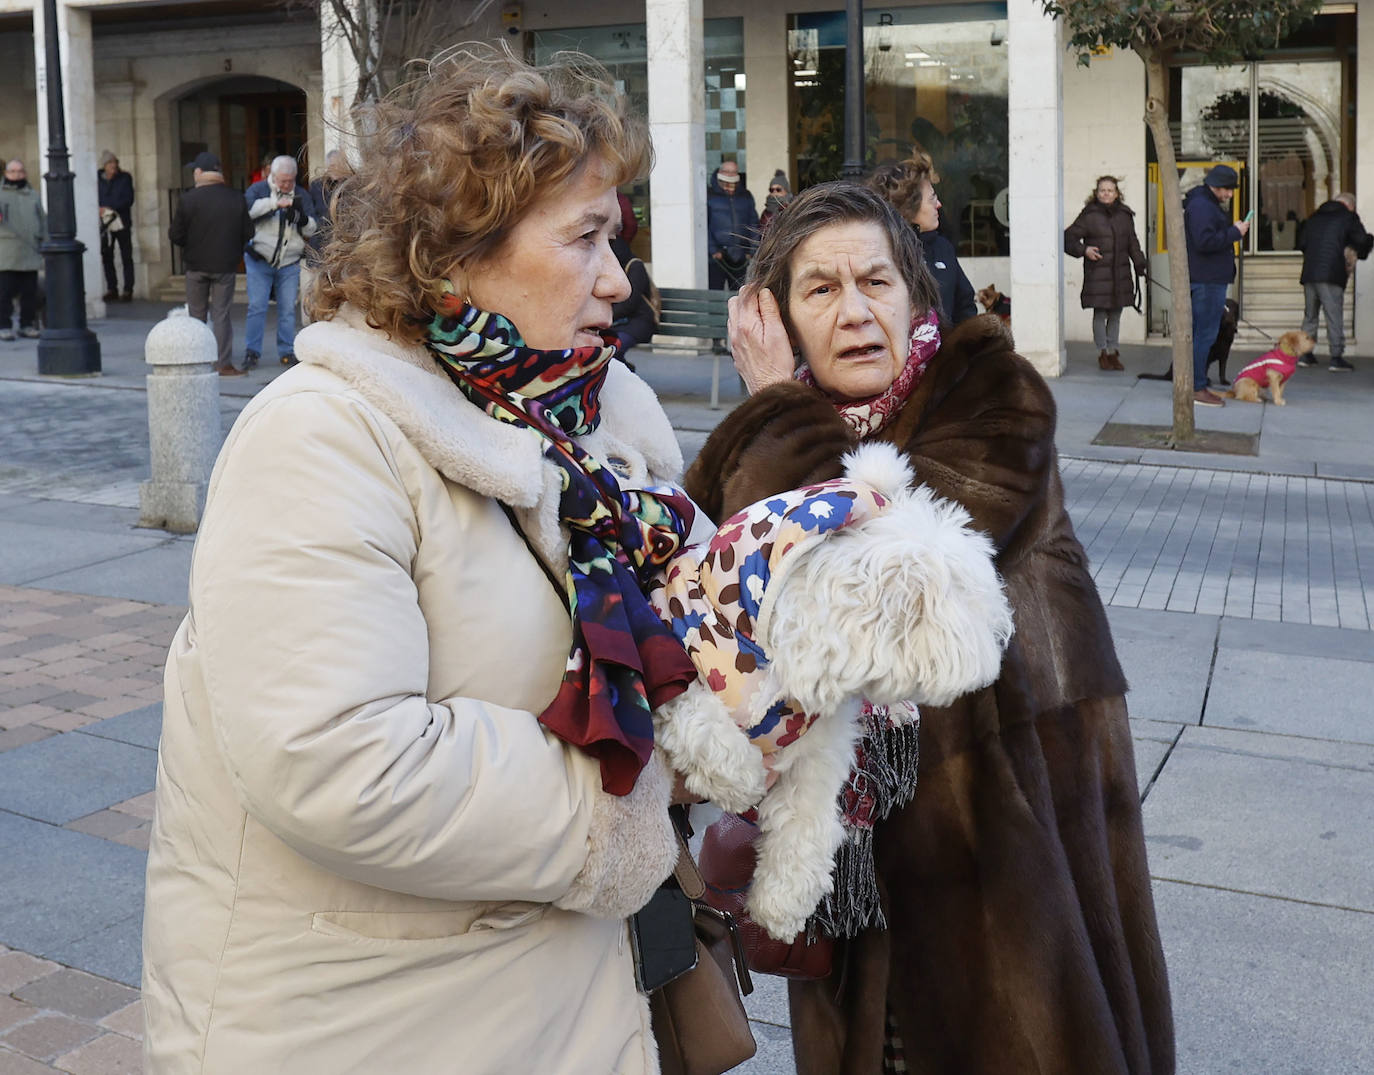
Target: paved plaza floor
<point>1239,592</point>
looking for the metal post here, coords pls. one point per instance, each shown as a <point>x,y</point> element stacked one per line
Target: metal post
<point>67,346</point>
<point>854,165</point>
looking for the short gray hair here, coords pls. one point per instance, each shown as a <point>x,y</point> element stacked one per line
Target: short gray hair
<point>283,165</point>
<point>1348,198</point>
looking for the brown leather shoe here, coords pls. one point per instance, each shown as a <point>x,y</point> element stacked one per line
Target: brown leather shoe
<point>1114,357</point>
<point>1205,397</point>
<point>231,371</point>
<point>1104,360</point>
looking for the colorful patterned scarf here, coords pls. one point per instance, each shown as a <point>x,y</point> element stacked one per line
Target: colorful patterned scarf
<point>868,416</point>
<point>624,661</point>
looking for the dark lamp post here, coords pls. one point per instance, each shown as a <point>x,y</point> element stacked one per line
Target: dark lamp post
<point>67,347</point>
<point>853,166</point>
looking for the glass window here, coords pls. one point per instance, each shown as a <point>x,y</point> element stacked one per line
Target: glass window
<point>624,51</point>
<point>934,75</point>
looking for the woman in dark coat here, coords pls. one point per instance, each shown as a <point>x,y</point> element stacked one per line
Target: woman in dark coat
<point>1104,237</point>
<point>1020,927</point>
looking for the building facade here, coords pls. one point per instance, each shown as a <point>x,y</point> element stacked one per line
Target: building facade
<point>1019,130</point>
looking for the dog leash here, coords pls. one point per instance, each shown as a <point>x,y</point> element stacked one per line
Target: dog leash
<point>1239,319</point>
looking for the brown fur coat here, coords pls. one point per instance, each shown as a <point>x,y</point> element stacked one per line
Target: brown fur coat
<point>1022,935</point>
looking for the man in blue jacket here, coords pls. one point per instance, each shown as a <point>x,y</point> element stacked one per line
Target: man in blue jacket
<point>732,228</point>
<point>1211,265</point>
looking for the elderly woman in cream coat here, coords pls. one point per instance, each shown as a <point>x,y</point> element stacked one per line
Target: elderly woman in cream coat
<point>375,849</point>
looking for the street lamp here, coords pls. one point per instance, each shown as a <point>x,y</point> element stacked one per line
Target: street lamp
<point>67,346</point>
<point>853,166</point>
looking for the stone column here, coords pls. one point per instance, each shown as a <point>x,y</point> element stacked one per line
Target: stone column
<point>184,433</point>
<point>767,74</point>
<point>1036,181</point>
<point>1363,187</point>
<point>78,97</point>
<point>677,117</point>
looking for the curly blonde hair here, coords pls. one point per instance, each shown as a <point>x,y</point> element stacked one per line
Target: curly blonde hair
<point>455,160</point>
<point>900,181</point>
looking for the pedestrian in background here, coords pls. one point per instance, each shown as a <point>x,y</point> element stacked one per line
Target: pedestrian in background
<point>386,838</point>
<point>116,189</point>
<point>321,195</point>
<point>1326,239</point>
<point>22,228</point>
<point>1103,235</point>
<point>909,187</point>
<point>211,225</point>
<point>283,219</point>
<point>779,194</point>
<point>1211,265</point>
<point>732,228</point>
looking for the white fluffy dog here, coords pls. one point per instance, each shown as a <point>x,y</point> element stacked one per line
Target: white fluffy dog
<point>799,608</point>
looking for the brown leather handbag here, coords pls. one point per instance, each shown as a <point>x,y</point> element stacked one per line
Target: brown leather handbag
<point>698,1018</point>
<point>727,864</point>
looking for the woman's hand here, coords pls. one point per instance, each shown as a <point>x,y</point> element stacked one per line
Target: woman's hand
<point>1092,253</point>
<point>758,339</point>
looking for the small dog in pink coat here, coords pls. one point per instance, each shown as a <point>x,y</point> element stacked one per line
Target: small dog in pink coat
<point>1272,370</point>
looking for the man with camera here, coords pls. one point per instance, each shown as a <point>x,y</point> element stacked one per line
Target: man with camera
<point>283,218</point>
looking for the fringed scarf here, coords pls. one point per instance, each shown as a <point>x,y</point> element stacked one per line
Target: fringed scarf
<point>624,661</point>
<point>868,416</point>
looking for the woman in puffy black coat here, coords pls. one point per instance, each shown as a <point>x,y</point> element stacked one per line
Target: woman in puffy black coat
<point>1104,237</point>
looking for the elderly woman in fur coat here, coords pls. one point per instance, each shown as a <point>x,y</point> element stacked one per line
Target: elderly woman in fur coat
<point>1021,934</point>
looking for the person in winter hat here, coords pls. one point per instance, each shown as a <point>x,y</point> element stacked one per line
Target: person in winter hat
<point>779,194</point>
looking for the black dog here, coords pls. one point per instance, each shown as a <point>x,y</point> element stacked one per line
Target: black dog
<point>1221,349</point>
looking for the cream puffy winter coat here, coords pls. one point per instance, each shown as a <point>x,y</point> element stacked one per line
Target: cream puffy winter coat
<point>367,855</point>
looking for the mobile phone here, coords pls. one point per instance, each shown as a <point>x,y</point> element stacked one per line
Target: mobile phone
<point>663,939</point>
<point>1249,216</point>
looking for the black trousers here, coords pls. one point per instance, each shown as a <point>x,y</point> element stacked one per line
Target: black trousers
<point>124,239</point>
<point>24,285</point>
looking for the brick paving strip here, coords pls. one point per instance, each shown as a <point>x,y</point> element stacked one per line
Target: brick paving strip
<point>70,665</point>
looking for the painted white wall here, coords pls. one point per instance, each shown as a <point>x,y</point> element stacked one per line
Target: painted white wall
<point>677,113</point>
<point>1104,134</point>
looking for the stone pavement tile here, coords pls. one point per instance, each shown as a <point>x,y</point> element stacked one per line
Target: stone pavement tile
<point>1299,639</point>
<point>73,992</point>
<point>1166,657</point>
<point>48,1036</point>
<point>24,733</point>
<point>107,824</point>
<point>768,1002</point>
<point>1320,697</point>
<point>71,666</point>
<point>1269,814</point>
<point>11,665</point>
<point>1149,755</point>
<point>1266,985</point>
<point>109,1054</point>
<point>114,952</point>
<point>140,806</point>
<point>13,695</point>
<point>13,1012</point>
<point>774,1055</point>
<point>155,573</point>
<point>74,887</point>
<point>67,722</point>
<point>128,1021</point>
<point>142,727</point>
<point>113,707</point>
<point>20,968</point>
<point>12,1063</point>
<point>69,776</point>
<point>139,836</point>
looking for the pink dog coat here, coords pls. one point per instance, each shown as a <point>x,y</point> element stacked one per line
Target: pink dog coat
<point>714,597</point>
<point>1258,370</point>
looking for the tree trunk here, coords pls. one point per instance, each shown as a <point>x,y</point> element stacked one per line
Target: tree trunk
<point>1181,321</point>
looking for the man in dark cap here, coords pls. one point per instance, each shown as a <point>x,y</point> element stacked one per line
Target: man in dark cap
<point>211,224</point>
<point>1211,265</point>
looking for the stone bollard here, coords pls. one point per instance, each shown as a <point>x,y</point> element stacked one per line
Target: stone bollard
<point>184,433</point>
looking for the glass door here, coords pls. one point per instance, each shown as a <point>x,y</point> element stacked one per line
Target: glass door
<point>1297,143</point>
